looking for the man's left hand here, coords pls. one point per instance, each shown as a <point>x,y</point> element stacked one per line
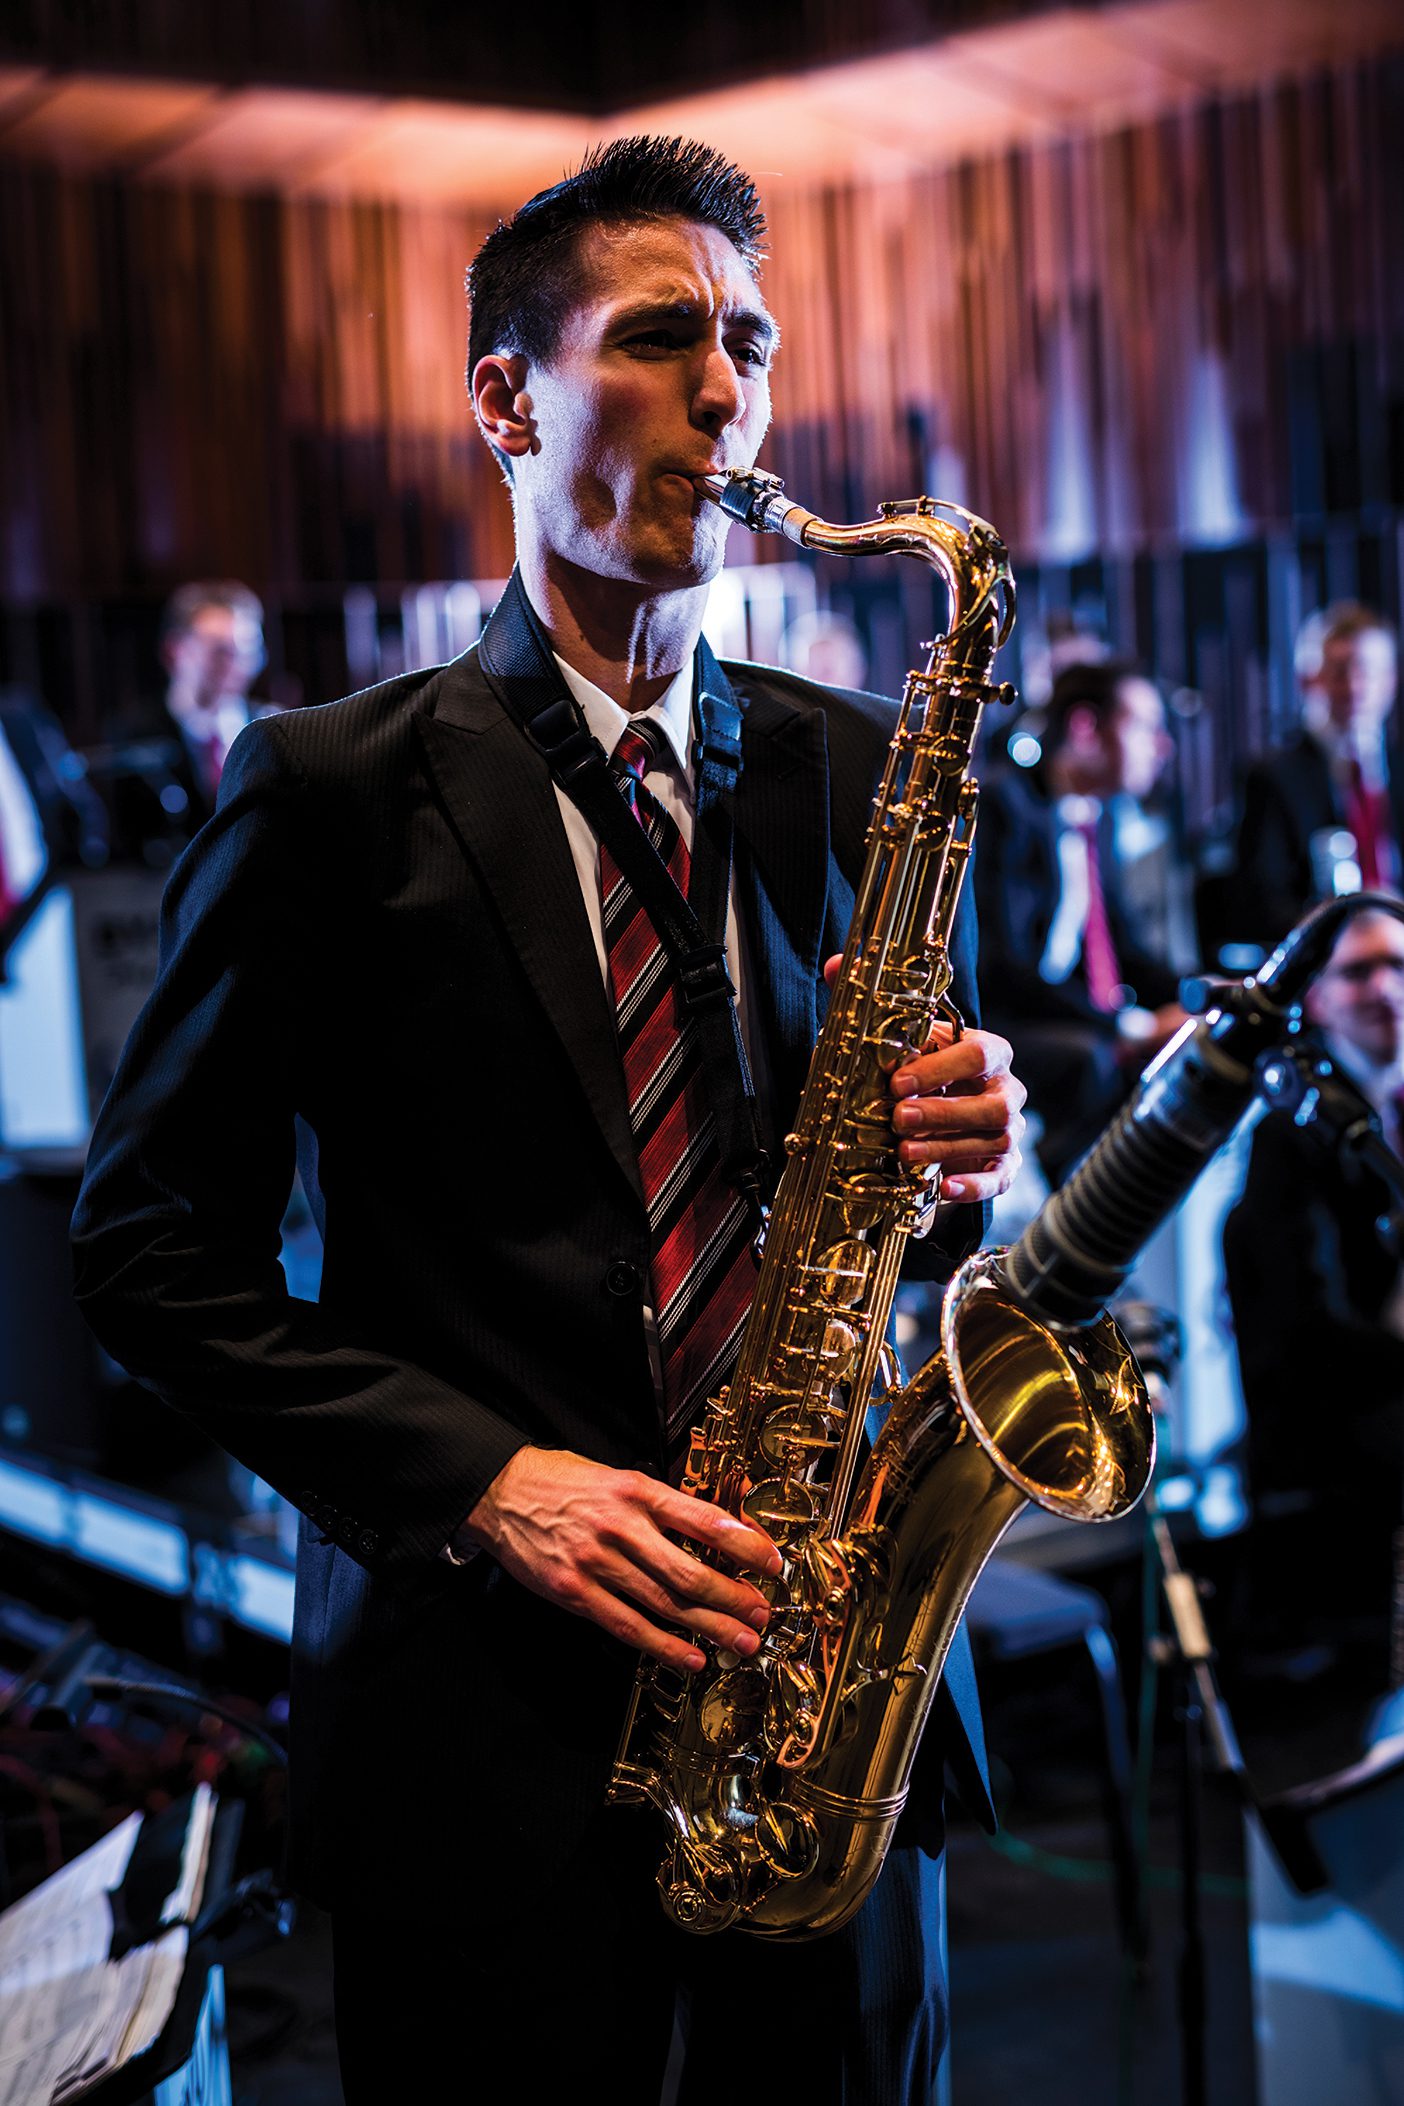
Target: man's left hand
<point>959,1105</point>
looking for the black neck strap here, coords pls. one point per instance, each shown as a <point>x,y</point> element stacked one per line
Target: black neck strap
<point>517,660</point>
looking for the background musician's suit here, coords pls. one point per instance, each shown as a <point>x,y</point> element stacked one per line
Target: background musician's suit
<point>1343,774</point>
<point>1318,1311</point>
<point>163,765</point>
<point>1080,1044</point>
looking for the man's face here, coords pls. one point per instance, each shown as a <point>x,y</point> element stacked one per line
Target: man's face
<point>661,374</point>
<point>1138,743</point>
<point>1357,680</point>
<point>1360,995</point>
<point>219,654</point>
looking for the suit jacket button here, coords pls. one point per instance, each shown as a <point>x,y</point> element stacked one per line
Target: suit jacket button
<point>369,1543</point>
<point>623,1278</point>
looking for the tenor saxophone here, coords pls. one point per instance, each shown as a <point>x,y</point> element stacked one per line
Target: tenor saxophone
<point>781,1777</point>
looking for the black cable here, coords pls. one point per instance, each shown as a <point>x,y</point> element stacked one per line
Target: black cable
<point>110,1684</point>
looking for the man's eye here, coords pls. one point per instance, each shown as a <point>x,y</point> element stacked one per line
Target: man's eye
<point>653,340</point>
<point>755,355</point>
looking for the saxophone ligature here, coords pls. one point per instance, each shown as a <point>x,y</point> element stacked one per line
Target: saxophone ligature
<point>780,1778</point>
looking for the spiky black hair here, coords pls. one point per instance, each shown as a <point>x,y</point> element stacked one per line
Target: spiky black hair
<point>525,278</point>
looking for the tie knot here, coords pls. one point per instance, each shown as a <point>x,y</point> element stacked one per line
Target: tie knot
<point>635,751</point>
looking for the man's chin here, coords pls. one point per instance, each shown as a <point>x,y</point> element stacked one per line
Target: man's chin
<point>682,566</point>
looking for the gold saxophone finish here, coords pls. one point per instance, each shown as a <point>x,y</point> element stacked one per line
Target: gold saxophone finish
<point>781,1777</point>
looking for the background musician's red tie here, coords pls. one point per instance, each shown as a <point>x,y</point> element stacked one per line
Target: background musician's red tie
<point>699,1229</point>
<point>1367,816</point>
<point>1099,963</point>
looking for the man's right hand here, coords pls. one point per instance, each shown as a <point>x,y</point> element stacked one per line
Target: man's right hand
<point>597,1542</point>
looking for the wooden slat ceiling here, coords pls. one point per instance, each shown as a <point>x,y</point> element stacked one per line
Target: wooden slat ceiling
<point>919,108</point>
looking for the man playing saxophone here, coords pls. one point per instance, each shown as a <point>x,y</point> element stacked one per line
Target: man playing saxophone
<point>528,1139</point>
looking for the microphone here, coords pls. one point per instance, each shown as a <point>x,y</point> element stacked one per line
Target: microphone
<point>1078,1249</point>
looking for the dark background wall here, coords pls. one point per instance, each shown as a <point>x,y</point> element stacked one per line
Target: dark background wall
<point>1166,359</point>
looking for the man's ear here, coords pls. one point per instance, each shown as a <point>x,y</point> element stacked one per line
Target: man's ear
<point>501,405</point>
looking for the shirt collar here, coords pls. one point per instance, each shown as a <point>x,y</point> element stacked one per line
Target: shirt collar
<point>672,713</point>
<point>1341,747</point>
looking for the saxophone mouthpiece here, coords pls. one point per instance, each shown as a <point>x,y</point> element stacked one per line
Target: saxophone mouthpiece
<point>758,501</point>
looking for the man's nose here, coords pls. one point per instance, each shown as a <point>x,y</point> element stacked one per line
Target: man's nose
<point>720,398</point>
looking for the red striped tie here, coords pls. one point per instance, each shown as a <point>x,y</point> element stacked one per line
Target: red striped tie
<point>699,1229</point>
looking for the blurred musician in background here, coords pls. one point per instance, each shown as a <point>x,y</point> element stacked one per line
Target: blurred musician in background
<point>1070,975</point>
<point>1326,814</point>
<point>825,646</point>
<point>1318,1308</point>
<point>167,757</point>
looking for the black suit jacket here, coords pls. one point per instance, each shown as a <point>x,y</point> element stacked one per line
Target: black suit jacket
<point>381,932</point>
<point>157,796</point>
<point>1018,885</point>
<point>1288,798</point>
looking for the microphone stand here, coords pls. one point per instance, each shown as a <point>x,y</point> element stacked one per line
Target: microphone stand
<point>1207,1736</point>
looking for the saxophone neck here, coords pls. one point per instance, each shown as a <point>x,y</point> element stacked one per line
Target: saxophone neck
<point>963,548</point>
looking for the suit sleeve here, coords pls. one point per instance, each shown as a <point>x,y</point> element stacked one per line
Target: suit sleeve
<point>176,1231</point>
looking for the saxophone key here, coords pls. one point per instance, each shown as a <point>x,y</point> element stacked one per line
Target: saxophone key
<point>841,1273</point>
<point>732,1711</point>
<point>797,1438</point>
<point>792,1716</point>
<point>787,1839</point>
<point>893,1042</point>
<point>779,1505</point>
<point>835,1349</point>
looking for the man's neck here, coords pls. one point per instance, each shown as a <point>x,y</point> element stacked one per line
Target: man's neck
<point>629,641</point>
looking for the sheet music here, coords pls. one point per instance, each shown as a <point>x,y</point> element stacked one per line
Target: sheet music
<point>70,2015</point>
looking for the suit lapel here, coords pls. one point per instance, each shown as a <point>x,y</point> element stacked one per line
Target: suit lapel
<point>502,805</point>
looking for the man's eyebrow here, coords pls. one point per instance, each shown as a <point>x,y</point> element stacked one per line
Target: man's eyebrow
<point>755,319</point>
